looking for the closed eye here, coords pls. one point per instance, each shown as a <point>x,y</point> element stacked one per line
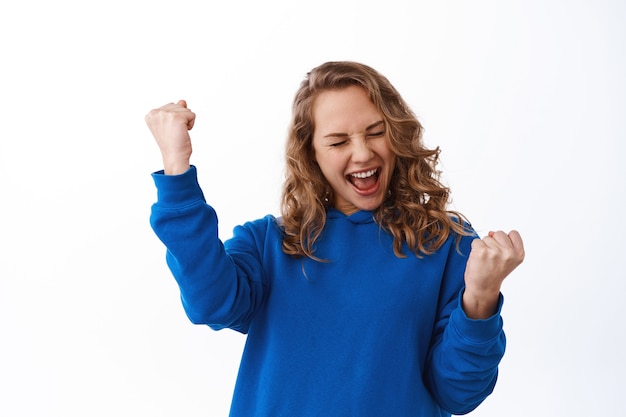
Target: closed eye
<point>376,134</point>
<point>337,144</point>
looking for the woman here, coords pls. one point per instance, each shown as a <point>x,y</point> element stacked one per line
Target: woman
<point>367,297</point>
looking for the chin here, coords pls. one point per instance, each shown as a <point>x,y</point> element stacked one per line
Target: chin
<point>370,206</point>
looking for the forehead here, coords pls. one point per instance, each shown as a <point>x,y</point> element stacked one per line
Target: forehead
<point>347,110</point>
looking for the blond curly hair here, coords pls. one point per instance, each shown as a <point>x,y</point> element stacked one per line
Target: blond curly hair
<point>415,210</point>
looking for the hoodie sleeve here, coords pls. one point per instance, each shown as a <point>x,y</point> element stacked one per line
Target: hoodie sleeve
<point>462,366</point>
<point>216,289</point>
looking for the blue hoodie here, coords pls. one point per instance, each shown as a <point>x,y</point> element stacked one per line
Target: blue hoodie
<point>365,333</point>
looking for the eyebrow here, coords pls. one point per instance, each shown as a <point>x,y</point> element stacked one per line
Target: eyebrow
<point>343,135</point>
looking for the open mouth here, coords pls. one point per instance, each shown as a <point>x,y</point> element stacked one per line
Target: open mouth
<point>364,180</point>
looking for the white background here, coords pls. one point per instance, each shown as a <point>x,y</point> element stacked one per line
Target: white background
<point>527,100</point>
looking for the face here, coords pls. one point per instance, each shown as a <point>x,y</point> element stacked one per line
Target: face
<point>350,145</point>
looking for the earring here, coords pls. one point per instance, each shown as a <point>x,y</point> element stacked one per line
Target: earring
<point>326,197</point>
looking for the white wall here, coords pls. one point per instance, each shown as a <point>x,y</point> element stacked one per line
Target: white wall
<point>526,99</point>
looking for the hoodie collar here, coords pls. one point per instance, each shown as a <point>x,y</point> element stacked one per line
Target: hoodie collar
<point>359,217</point>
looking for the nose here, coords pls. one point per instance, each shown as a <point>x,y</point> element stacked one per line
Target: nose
<point>362,151</point>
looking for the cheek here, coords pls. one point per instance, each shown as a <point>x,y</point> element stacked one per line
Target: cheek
<point>330,168</point>
<point>386,154</point>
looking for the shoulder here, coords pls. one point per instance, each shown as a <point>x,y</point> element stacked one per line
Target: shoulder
<point>269,223</point>
<point>261,232</point>
<point>459,241</point>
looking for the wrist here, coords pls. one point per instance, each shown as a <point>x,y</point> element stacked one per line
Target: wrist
<point>175,167</point>
<point>480,304</point>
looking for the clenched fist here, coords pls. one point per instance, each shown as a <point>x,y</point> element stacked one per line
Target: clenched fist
<point>490,261</point>
<point>170,125</point>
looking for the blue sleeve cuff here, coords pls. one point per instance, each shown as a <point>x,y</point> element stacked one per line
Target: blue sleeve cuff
<point>479,330</point>
<point>176,191</point>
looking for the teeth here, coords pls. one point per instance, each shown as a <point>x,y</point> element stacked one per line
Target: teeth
<point>364,174</point>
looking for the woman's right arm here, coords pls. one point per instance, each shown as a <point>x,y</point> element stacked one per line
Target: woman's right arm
<point>215,288</point>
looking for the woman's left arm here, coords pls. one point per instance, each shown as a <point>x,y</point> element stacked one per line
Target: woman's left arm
<point>469,341</point>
